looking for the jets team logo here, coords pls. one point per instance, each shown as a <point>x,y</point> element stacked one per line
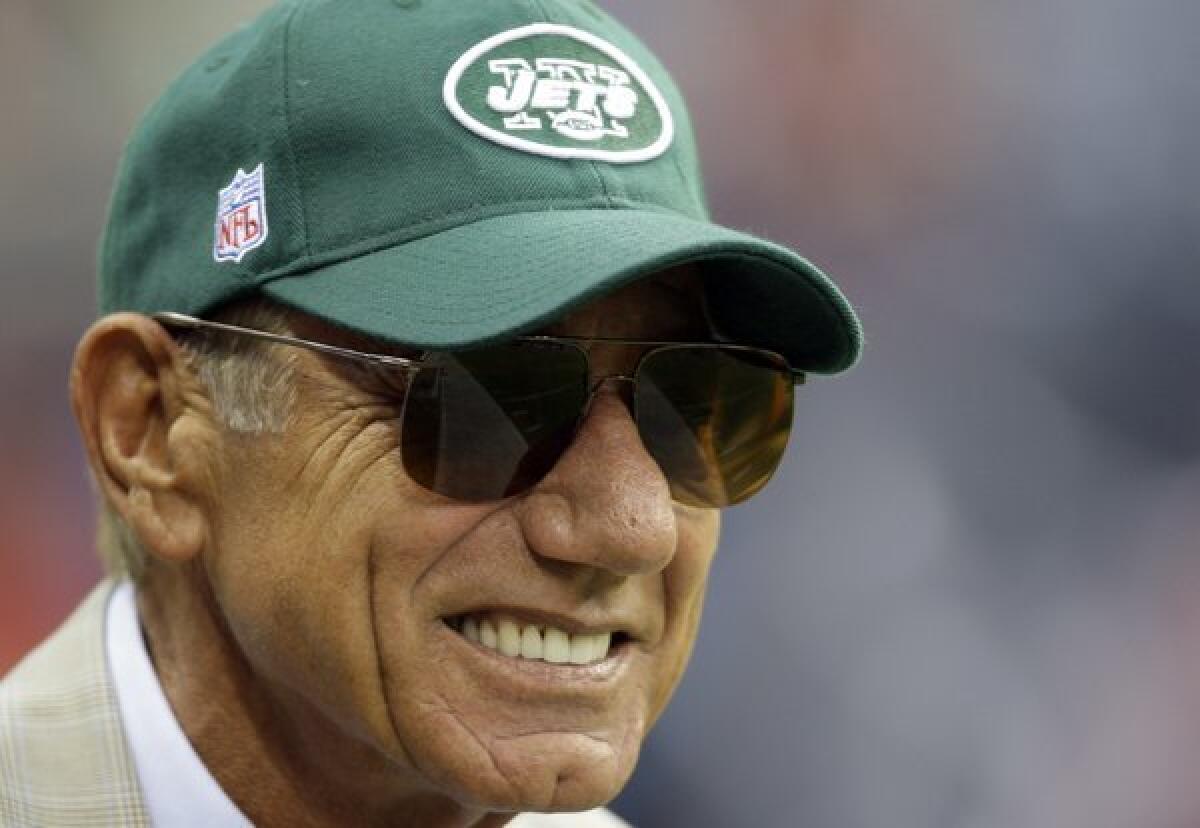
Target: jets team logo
<point>241,216</point>
<point>561,92</point>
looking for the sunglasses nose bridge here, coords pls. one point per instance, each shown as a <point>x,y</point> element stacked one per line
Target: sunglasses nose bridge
<point>621,384</point>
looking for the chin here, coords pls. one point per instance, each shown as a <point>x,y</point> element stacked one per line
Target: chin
<point>534,772</point>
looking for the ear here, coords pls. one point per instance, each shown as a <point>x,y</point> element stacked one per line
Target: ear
<point>128,385</point>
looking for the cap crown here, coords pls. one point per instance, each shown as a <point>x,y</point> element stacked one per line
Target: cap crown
<point>370,123</point>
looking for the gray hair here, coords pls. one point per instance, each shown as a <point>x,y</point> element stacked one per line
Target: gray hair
<point>252,387</point>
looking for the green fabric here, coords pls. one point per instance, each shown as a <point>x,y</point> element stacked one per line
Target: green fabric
<point>487,279</point>
<point>388,215</point>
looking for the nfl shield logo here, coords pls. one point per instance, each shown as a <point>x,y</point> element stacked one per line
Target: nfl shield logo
<point>241,216</point>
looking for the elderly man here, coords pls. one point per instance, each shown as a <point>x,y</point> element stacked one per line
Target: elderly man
<point>421,382</point>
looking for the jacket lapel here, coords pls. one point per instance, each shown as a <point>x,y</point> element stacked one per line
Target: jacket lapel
<point>63,756</point>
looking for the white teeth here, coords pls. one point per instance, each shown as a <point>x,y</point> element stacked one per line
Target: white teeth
<point>509,639</point>
<point>581,649</point>
<point>558,646</point>
<point>487,634</point>
<point>549,644</point>
<point>531,643</point>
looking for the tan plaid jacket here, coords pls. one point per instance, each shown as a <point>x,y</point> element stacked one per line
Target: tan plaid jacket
<point>63,757</point>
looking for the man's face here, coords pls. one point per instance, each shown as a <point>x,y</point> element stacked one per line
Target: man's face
<point>346,586</point>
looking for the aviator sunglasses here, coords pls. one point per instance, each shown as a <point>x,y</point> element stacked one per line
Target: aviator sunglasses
<point>490,422</point>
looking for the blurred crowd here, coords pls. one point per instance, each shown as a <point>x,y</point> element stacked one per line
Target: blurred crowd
<point>972,599</point>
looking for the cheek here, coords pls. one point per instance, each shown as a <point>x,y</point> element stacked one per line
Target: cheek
<point>291,573</point>
<point>684,583</point>
<point>299,608</point>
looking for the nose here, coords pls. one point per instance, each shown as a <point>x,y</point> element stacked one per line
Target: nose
<point>605,504</point>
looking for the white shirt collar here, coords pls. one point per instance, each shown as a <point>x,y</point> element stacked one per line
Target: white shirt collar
<point>178,789</point>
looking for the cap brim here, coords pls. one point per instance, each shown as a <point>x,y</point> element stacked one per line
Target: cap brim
<point>502,276</point>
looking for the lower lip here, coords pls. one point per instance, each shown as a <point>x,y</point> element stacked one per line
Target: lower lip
<point>549,676</point>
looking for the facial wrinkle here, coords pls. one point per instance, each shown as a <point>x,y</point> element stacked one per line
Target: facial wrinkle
<point>452,548</point>
<point>335,444</point>
<point>380,664</point>
<point>448,711</point>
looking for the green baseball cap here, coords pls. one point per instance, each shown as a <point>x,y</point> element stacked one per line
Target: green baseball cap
<point>439,174</point>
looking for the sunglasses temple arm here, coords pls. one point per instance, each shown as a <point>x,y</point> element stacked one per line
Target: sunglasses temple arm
<point>179,320</point>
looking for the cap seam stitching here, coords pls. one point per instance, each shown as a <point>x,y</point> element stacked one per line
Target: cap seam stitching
<point>293,156</point>
<point>541,9</point>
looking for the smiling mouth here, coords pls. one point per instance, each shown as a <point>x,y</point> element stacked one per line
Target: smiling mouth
<point>536,642</point>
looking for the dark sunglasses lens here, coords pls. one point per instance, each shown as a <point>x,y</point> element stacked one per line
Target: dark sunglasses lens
<point>490,423</point>
<point>715,419</point>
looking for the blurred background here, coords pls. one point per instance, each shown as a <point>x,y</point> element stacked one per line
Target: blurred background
<point>972,598</point>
